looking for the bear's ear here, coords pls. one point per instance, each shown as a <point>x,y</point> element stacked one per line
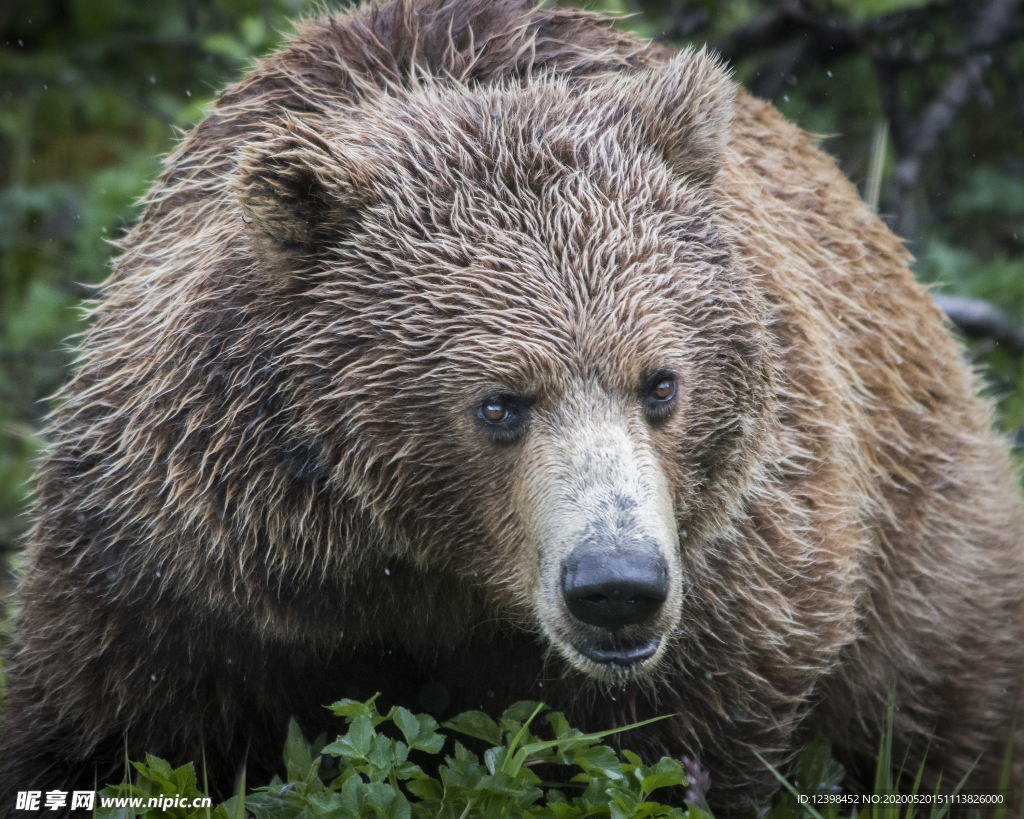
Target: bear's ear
<point>683,109</point>
<point>298,189</point>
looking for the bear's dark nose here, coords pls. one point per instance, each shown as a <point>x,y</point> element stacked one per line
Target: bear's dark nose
<point>614,590</point>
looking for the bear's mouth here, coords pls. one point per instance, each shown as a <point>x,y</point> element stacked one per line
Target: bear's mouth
<point>623,653</point>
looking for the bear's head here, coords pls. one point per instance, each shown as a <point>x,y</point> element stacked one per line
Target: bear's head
<point>522,339</point>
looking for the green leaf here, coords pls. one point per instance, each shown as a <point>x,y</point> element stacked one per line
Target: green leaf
<point>632,758</point>
<point>494,758</point>
<point>185,781</point>
<point>420,731</point>
<point>623,803</point>
<point>816,770</point>
<point>269,806</point>
<point>159,767</point>
<point>520,712</point>
<point>350,709</point>
<point>353,794</point>
<point>429,790</point>
<point>298,759</point>
<point>476,724</point>
<point>663,779</point>
<point>381,756</point>
<point>356,744</point>
<point>559,724</point>
<point>407,724</point>
<point>597,757</point>
<point>386,801</point>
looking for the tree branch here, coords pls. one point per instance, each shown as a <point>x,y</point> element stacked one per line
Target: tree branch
<point>980,319</point>
<point>776,28</point>
<point>938,116</point>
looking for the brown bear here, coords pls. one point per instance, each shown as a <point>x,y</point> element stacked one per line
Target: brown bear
<point>473,352</point>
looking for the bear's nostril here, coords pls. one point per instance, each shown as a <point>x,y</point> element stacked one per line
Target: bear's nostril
<point>613,591</point>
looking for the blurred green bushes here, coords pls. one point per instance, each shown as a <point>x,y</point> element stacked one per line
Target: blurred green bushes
<point>94,91</point>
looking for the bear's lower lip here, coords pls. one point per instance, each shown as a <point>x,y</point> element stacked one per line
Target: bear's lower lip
<point>628,654</point>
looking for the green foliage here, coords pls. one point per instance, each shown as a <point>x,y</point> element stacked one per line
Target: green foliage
<point>866,9</point>
<point>157,779</point>
<point>370,775</point>
<point>377,778</point>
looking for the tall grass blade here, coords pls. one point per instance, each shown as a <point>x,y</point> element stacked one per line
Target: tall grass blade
<point>206,783</point>
<point>551,743</point>
<point>876,166</point>
<point>1004,773</point>
<point>127,773</point>
<point>510,757</point>
<point>883,768</point>
<point>240,805</point>
<point>935,807</point>
<point>917,783</point>
<point>956,790</point>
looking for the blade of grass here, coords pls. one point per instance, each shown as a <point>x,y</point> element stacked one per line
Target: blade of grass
<point>206,784</point>
<point>917,784</point>
<point>1004,773</point>
<point>956,790</point>
<point>935,807</point>
<point>551,743</point>
<point>510,756</point>
<point>240,807</point>
<point>883,767</point>
<point>127,774</point>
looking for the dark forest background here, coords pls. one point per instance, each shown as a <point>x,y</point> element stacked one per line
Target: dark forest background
<point>920,101</point>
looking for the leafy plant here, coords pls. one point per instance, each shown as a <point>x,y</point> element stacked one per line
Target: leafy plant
<point>155,779</point>
<point>376,777</point>
<point>375,770</point>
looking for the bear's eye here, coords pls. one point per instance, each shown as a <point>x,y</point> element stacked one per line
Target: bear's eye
<point>495,413</point>
<point>503,418</point>
<point>664,389</point>
<point>659,395</point>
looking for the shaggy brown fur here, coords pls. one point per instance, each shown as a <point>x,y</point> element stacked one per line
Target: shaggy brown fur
<point>268,487</point>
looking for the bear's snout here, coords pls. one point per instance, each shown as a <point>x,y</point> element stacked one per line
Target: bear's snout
<point>598,509</point>
<point>612,591</point>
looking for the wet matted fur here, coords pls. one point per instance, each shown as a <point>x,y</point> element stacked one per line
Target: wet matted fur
<point>268,486</point>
